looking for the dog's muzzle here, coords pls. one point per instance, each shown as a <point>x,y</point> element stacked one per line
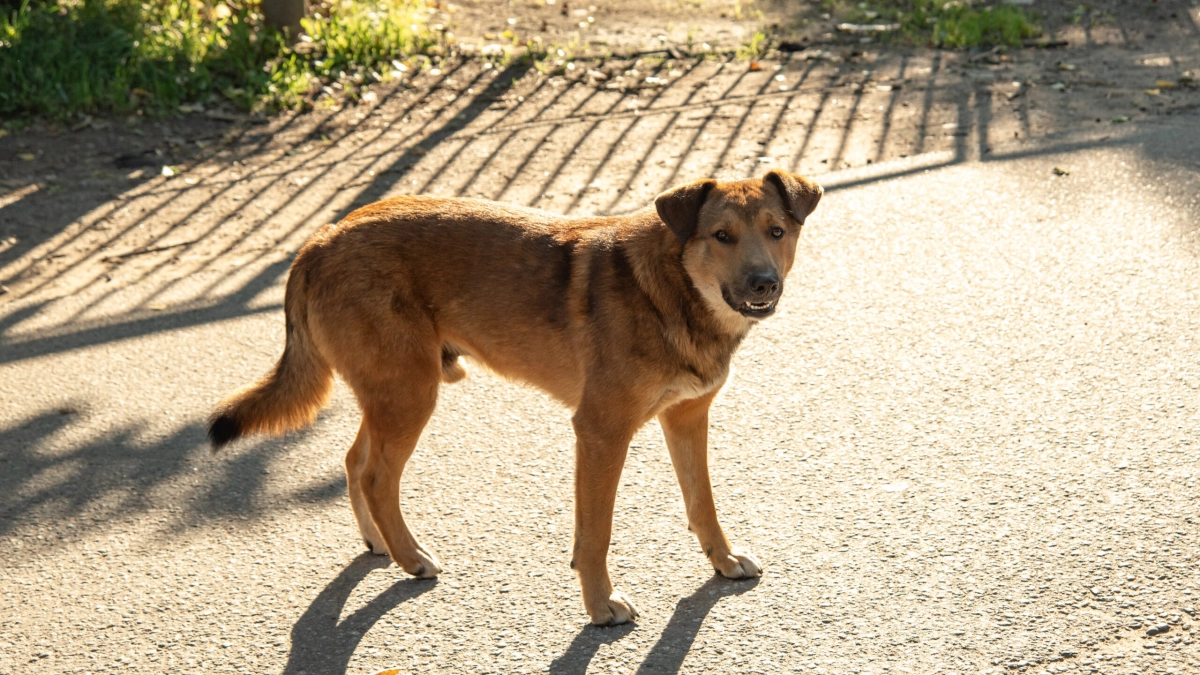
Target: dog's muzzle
<point>758,297</point>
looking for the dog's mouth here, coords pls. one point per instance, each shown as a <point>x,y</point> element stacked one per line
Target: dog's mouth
<point>752,309</point>
<point>748,308</point>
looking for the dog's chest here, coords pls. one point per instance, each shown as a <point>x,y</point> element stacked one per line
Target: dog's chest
<point>688,385</point>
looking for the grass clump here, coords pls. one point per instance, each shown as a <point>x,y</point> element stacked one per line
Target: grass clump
<point>754,48</point>
<point>61,57</point>
<point>948,24</point>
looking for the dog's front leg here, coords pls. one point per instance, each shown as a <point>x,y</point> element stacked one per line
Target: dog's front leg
<point>600,449</point>
<point>685,425</point>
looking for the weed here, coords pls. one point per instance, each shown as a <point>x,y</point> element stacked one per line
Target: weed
<point>755,47</point>
<point>62,57</point>
<point>946,23</point>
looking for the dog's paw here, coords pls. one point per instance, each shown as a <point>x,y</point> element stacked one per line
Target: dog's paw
<point>618,609</point>
<point>375,549</point>
<point>422,564</point>
<point>737,564</point>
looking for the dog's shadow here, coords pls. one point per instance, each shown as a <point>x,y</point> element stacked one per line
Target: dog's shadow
<point>321,643</point>
<point>666,657</point>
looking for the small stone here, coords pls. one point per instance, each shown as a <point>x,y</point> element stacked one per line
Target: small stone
<point>1158,629</point>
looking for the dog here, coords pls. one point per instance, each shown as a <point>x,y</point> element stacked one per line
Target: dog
<point>622,319</point>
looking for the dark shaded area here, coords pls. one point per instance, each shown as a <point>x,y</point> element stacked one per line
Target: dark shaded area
<point>387,178</point>
<point>116,474</point>
<point>583,648</point>
<point>667,655</point>
<point>143,323</point>
<point>323,645</point>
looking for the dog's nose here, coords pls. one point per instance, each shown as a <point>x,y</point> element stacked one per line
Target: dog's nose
<point>764,284</point>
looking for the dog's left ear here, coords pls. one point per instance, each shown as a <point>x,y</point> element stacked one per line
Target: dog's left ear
<point>800,195</point>
<point>679,207</point>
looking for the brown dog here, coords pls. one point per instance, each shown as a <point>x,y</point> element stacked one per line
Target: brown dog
<point>621,319</point>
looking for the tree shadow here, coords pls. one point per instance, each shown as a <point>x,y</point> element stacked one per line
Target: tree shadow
<point>323,645</point>
<point>666,656</point>
<point>118,473</point>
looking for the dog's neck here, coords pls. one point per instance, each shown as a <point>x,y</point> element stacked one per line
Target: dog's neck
<point>704,340</point>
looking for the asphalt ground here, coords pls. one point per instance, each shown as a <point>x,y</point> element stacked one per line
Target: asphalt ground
<point>966,444</point>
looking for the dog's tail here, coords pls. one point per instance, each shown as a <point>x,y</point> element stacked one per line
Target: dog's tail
<point>292,394</point>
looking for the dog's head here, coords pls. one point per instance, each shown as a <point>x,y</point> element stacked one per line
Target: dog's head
<point>739,239</point>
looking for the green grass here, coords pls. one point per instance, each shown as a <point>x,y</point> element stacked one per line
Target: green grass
<point>59,58</point>
<point>947,24</point>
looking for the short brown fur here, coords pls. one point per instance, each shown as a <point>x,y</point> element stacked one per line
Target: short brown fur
<point>622,319</point>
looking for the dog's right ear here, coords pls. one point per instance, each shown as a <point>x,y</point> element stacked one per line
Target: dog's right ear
<point>679,207</point>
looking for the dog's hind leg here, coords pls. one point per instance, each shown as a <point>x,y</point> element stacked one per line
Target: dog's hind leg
<point>356,461</point>
<point>395,412</point>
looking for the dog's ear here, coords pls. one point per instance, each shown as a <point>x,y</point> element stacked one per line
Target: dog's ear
<point>800,195</point>
<point>679,207</point>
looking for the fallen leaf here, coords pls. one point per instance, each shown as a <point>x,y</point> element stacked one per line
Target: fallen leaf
<point>1120,119</point>
<point>1153,92</point>
<point>157,308</point>
<point>1061,172</point>
<point>1059,86</point>
<point>1164,84</point>
<point>167,171</point>
<point>26,156</point>
<point>1066,66</point>
<point>755,66</point>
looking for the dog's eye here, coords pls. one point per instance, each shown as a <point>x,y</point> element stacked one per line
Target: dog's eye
<point>721,235</point>
<point>777,232</point>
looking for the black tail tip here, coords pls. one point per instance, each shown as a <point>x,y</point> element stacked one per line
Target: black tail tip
<point>223,429</point>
